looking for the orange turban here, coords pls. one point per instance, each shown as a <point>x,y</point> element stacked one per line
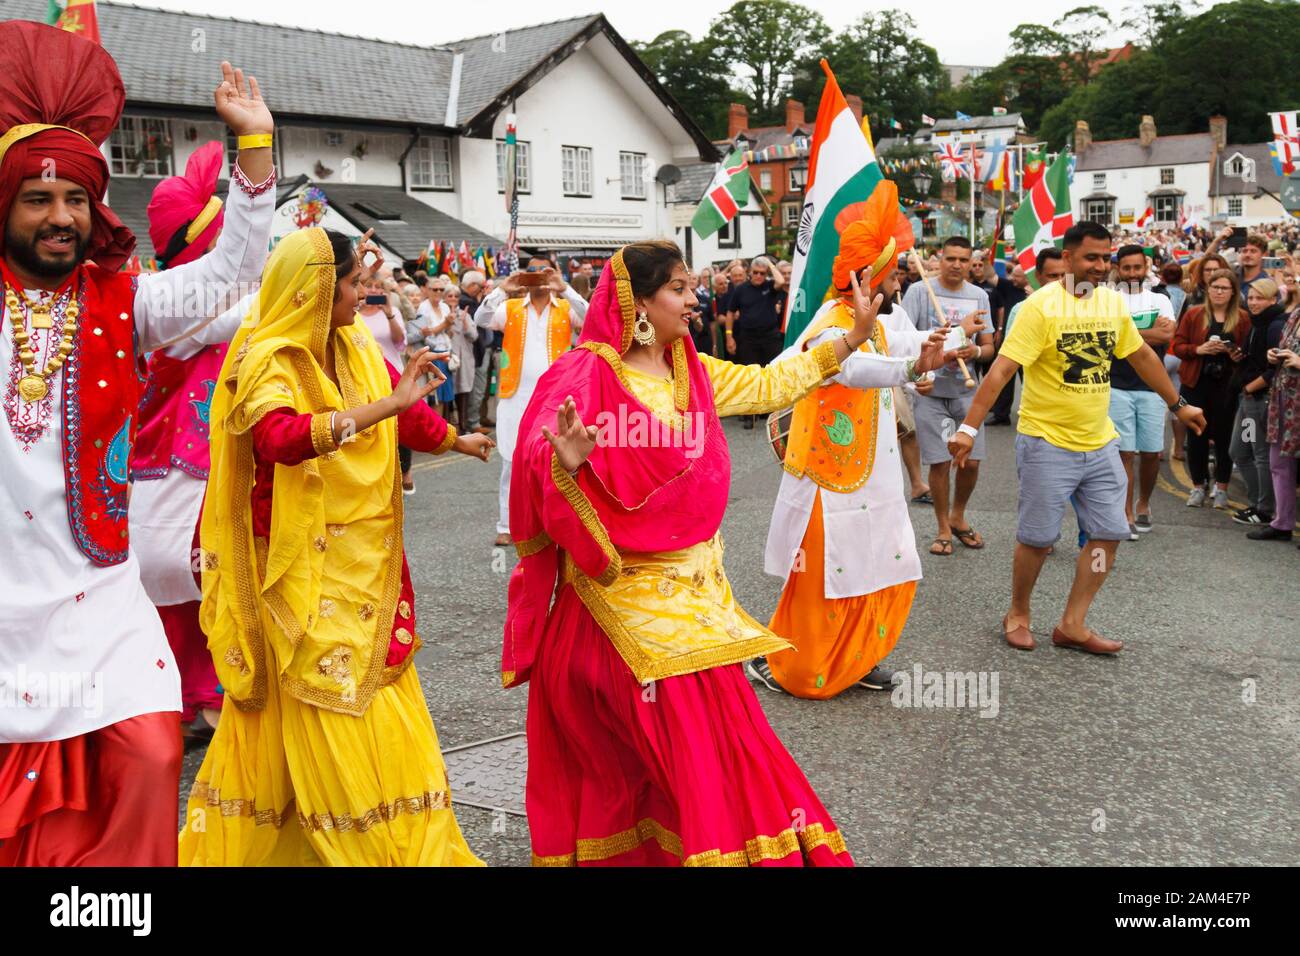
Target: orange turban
<point>872,233</point>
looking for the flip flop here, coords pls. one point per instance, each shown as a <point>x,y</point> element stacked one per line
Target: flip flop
<point>924,498</point>
<point>945,547</point>
<point>969,537</point>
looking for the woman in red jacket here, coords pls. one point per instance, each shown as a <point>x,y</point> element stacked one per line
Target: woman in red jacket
<point>1208,340</point>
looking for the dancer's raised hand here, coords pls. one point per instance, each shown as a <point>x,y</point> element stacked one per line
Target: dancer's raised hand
<point>410,389</point>
<point>573,442</point>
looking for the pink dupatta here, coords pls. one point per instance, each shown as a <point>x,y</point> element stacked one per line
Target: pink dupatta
<point>642,499</point>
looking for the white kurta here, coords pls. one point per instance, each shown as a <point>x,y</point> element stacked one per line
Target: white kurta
<point>164,511</point>
<point>868,535</point>
<point>81,647</point>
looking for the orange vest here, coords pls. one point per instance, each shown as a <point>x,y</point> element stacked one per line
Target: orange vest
<point>560,334</point>
<point>833,429</point>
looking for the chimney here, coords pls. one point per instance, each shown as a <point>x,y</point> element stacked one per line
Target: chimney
<point>1219,131</point>
<point>793,115</point>
<point>737,120</point>
<point>855,104</point>
<point>1147,131</point>
<point>1082,136</point>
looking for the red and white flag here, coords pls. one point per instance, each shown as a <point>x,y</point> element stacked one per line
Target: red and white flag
<point>1286,140</point>
<point>1145,217</point>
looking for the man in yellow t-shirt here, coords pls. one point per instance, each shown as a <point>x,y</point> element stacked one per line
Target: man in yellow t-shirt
<point>1065,336</point>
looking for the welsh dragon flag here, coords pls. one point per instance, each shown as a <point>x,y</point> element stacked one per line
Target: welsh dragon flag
<point>842,169</point>
<point>75,16</point>
<point>727,194</point>
<point>1043,217</point>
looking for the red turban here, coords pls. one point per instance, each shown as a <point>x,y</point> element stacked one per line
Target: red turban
<point>188,205</point>
<point>872,233</point>
<point>56,78</point>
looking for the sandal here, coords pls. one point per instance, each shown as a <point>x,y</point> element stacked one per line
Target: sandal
<point>969,537</point>
<point>922,499</point>
<point>944,545</point>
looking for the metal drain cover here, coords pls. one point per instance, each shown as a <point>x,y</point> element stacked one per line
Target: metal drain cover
<point>489,774</point>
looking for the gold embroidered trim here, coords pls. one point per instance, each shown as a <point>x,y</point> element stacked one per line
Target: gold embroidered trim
<point>447,440</point>
<point>341,822</point>
<point>586,513</point>
<point>642,666</point>
<point>507,678</point>
<point>681,378</point>
<point>322,433</point>
<point>757,849</point>
<point>536,543</point>
<point>826,360</point>
<point>626,303</point>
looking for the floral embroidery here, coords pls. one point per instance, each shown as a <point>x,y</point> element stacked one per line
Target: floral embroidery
<point>248,188</point>
<point>704,620</point>
<point>210,560</point>
<point>337,665</point>
<point>667,589</point>
<point>337,530</point>
<point>235,658</point>
<point>366,611</point>
<point>359,340</point>
<point>319,543</point>
<point>300,298</point>
<point>403,636</point>
<point>404,609</point>
<point>326,608</point>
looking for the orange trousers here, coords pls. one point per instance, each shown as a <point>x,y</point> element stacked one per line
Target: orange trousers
<point>106,798</point>
<point>837,640</point>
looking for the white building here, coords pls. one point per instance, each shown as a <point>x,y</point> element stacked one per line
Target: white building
<point>408,140</point>
<point>1199,174</point>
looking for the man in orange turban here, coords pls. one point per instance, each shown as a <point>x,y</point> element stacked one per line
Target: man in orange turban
<point>89,737</point>
<point>840,535</point>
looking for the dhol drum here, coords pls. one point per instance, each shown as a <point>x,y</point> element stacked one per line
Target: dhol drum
<point>778,430</point>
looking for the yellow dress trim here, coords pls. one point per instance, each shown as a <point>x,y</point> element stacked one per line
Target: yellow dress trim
<point>342,822</point>
<point>826,360</point>
<point>681,378</point>
<point>586,513</point>
<point>757,849</point>
<point>626,303</point>
<point>322,433</point>
<point>536,543</point>
<point>448,440</point>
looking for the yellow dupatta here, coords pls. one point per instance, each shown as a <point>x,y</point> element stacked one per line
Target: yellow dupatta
<point>315,600</point>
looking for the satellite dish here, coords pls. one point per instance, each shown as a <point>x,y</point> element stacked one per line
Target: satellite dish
<point>668,175</point>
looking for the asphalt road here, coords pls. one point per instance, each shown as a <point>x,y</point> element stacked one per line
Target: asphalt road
<point>1183,750</point>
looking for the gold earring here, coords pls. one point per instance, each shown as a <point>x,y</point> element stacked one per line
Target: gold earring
<point>643,331</point>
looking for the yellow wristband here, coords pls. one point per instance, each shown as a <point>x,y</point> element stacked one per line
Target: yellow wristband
<point>255,141</point>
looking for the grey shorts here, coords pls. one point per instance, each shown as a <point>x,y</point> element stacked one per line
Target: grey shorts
<point>1051,477</point>
<point>936,421</point>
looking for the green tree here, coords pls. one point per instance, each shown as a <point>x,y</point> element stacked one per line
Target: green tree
<point>767,40</point>
<point>695,76</point>
<point>1084,32</point>
<point>1113,104</point>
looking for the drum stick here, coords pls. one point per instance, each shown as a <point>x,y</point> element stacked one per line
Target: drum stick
<point>934,300</point>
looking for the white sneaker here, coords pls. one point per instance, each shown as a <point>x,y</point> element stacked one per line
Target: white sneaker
<point>1220,498</point>
<point>1197,498</point>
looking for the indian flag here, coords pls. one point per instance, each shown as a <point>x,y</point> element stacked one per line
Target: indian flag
<point>842,170</point>
<point>727,194</point>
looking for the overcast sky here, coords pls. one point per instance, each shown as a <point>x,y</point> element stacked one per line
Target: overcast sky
<point>964,32</point>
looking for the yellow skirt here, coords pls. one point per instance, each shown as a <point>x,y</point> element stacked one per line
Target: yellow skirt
<point>294,785</point>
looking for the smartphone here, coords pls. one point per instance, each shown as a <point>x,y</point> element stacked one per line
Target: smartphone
<point>377,299</point>
<point>531,278</point>
<point>1237,240</point>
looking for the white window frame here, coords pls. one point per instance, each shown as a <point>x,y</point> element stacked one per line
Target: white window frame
<point>1236,165</point>
<point>523,166</point>
<point>575,171</point>
<point>729,234</point>
<point>429,166</point>
<point>1165,208</point>
<point>765,180</point>
<point>1098,180</point>
<point>1167,176</point>
<point>1236,206</point>
<point>1091,205</point>
<point>789,221</point>
<point>631,174</point>
<point>125,141</point>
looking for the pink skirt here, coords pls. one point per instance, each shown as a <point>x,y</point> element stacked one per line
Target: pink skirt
<point>685,771</point>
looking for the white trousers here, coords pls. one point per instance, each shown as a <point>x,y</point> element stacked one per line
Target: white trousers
<point>503,499</point>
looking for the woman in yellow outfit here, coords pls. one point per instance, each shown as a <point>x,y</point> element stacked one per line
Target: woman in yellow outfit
<point>325,753</point>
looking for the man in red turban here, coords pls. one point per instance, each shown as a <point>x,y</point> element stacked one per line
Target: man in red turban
<point>840,535</point>
<point>89,736</point>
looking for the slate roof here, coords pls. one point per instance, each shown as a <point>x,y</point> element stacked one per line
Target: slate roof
<point>696,178</point>
<point>1265,176</point>
<point>1175,150</point>
<point>328,76</point>
<point>419,223</point>
<point>1012,120</point>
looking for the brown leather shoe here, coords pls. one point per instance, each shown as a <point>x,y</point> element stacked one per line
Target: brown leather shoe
<point>1095,644</point>
<point>1018,637</point>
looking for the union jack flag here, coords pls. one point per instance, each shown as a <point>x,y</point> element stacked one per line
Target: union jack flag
<point>952,164</point>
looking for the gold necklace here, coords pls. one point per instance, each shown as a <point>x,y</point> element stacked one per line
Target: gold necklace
<point>34,386</point>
